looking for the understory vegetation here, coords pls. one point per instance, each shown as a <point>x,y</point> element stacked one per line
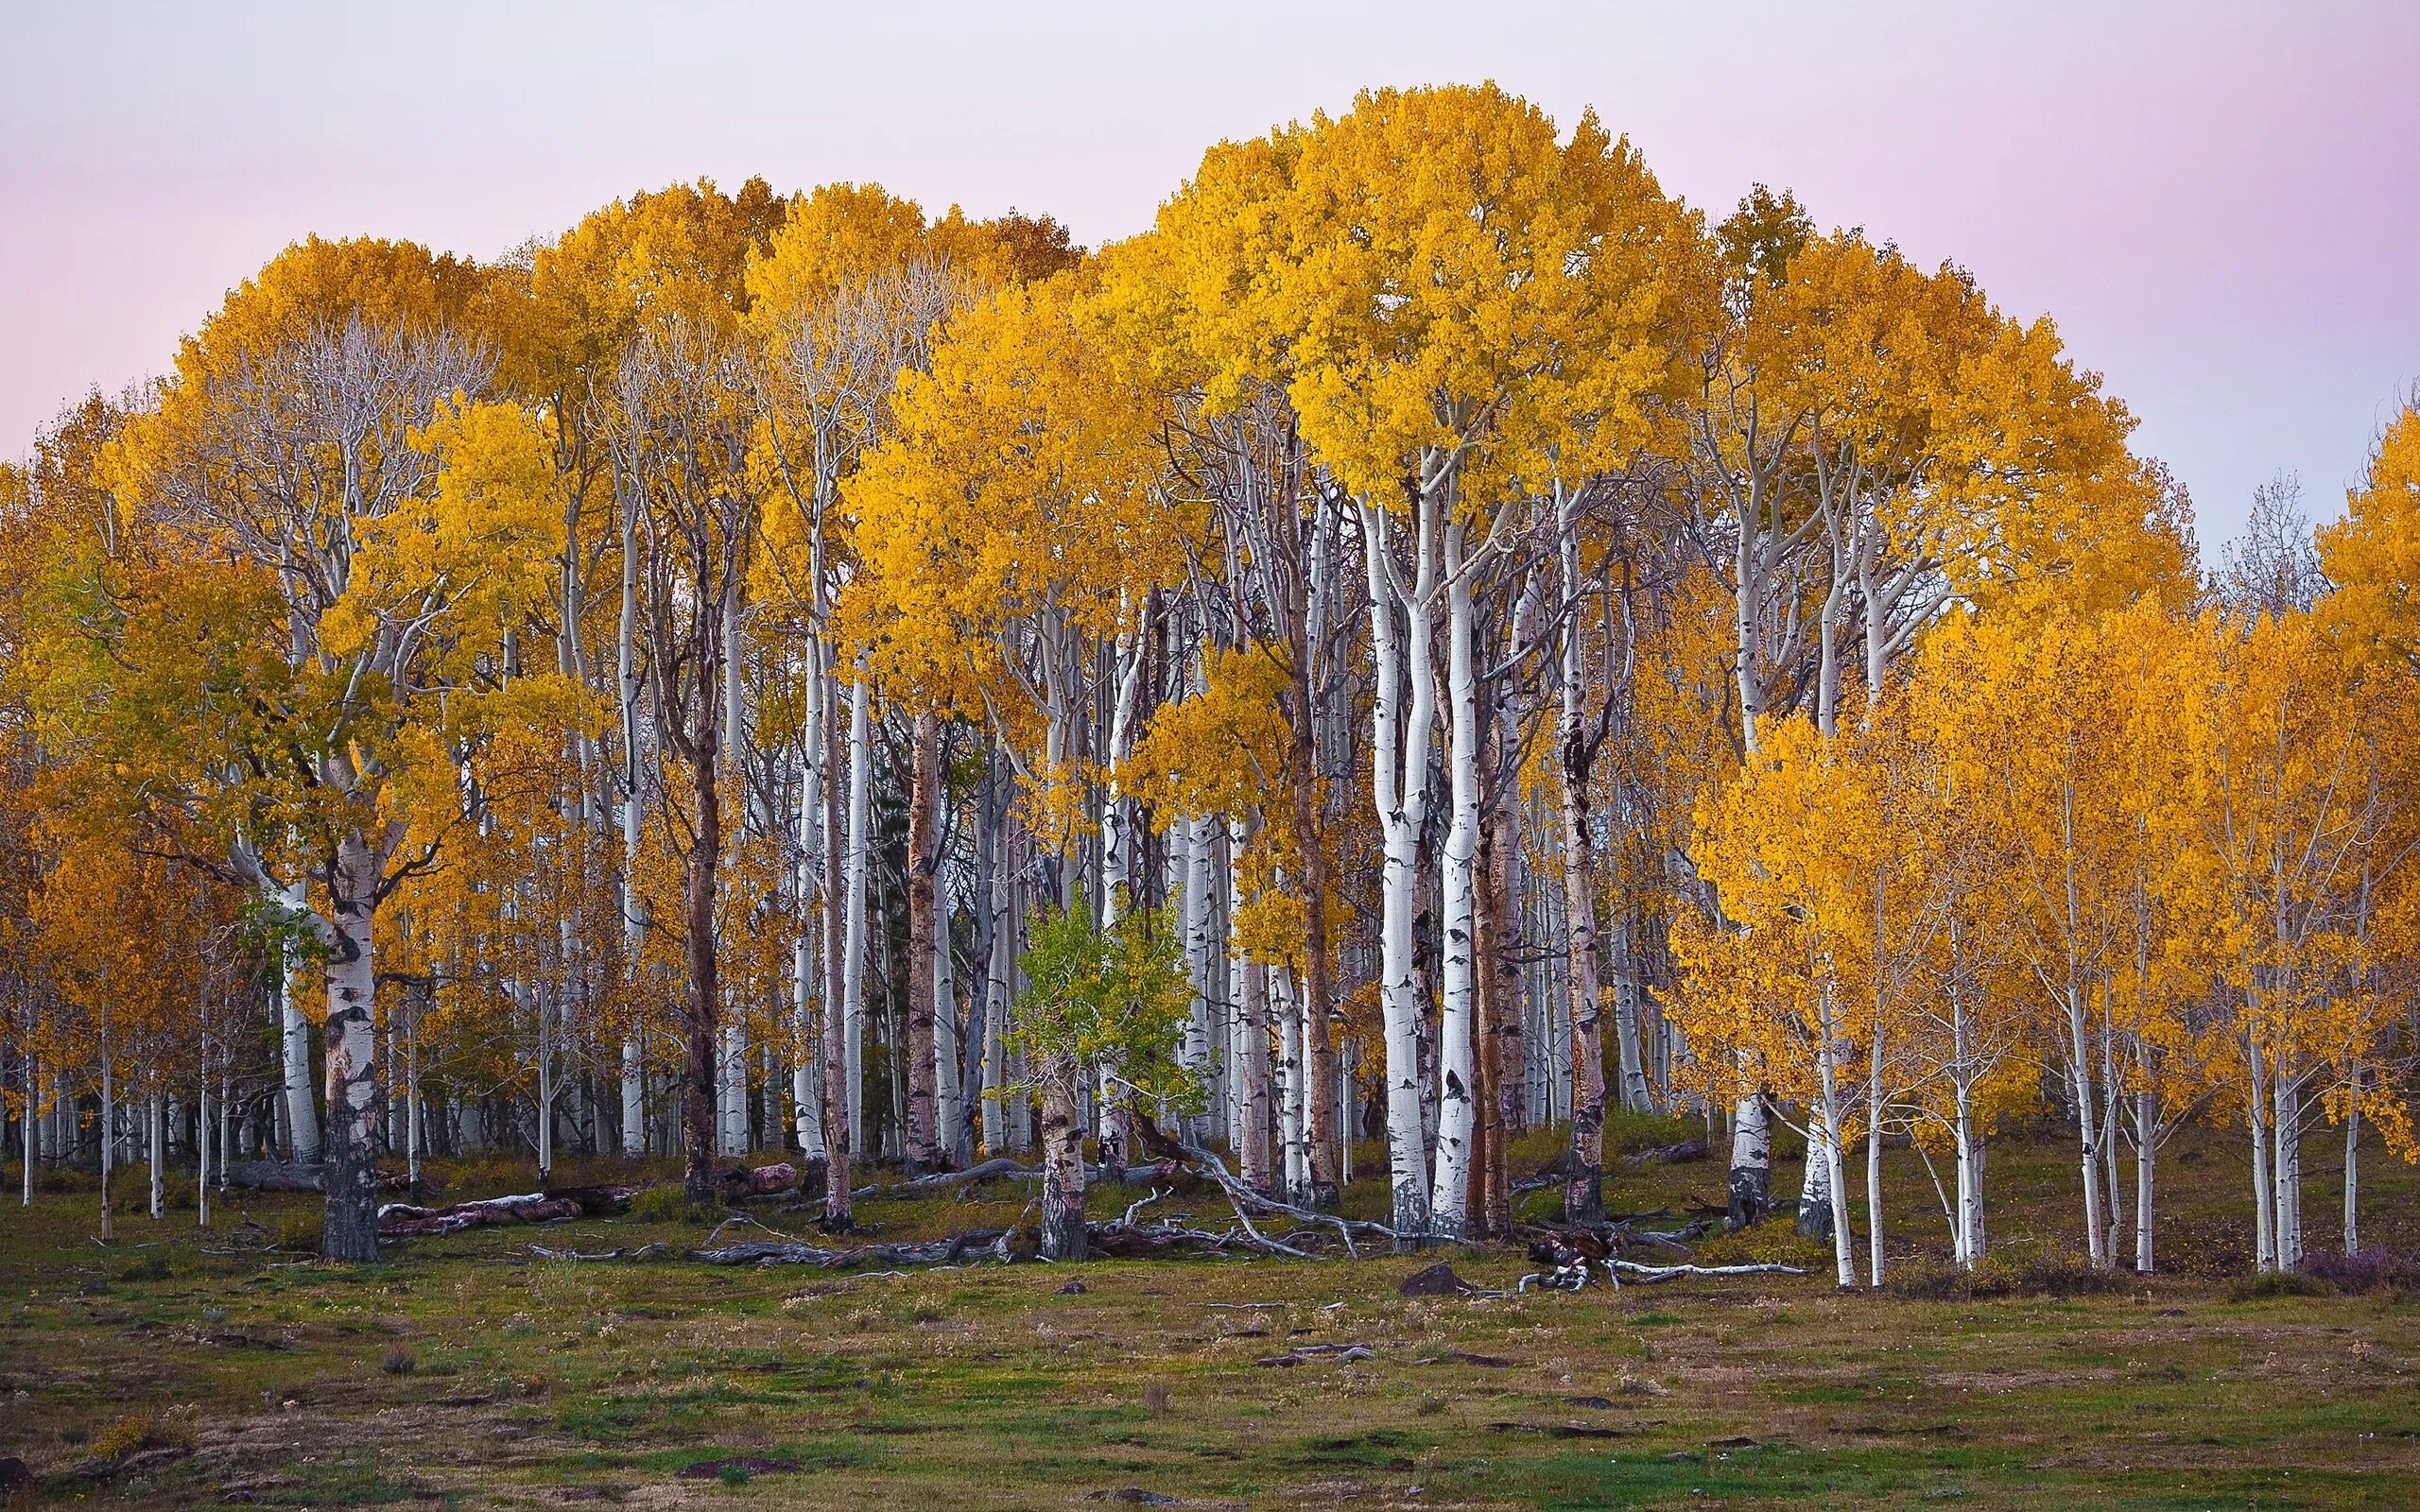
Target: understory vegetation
<point>225,1368</point>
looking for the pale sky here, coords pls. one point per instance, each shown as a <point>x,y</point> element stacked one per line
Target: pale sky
<point>2218,203</point>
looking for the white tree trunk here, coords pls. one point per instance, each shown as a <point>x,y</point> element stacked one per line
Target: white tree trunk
<point>2146,1169</point>
<point>1457,1074</point>
<point>1399,768</point>
<point>2287,1173</point>
<point>949,1104</point>
<point>156,1132</point>
<point>1195,857</point>
<point>350,1231</point>
<point>1751,1155</point>
<point>2255,1117</point>
<point>852,978</point>
<point>2353,1166</point>
<point>301,1115</point>
<point>2079,1067</point>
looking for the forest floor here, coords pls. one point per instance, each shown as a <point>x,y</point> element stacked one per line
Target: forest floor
<point>184,1368</point>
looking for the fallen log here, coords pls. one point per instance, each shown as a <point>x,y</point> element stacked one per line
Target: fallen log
<point>741,1183</point>
<point>1666,1273</point>
<point>1668,1154</point>
<point>401,1220</point>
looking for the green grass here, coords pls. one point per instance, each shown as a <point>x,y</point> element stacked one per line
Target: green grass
<point>545,1383</point>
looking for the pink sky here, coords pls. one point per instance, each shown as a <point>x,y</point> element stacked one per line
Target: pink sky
<point>2219,203</point>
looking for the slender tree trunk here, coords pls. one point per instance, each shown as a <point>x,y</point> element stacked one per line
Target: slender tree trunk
<point>2080,1064</point>
<point>853,981</point>
<point>2353,1165</point>
<point>2146,1169</point>
<point>924,1152</point>
<point>1318,1184</point>
<point>1457,1050</point>
<point>109,1139</point>
<point>2286,1177</point>
<point>701,880</point>
<point>2255,1117</point>
<point>1843,1255</point>
<point>1399,770</point>
<point>156,1140</point>
<point>301,1116</point>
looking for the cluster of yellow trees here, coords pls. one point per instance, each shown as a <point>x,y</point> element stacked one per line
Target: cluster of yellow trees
<point>1431,639</point>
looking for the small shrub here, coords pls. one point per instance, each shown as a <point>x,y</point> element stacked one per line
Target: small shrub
<point>398,1360</point>
<point>173,1428</point>
<point>662,1204</point>
<point>301,1229</point>
<point>2276,1283</point>
<point>148,1268</point>
<point>2365,1270</point>
<point>2020,1268</point>
<point>1775,1241</point>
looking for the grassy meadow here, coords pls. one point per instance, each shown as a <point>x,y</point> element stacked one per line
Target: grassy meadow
<point>188,1368</point>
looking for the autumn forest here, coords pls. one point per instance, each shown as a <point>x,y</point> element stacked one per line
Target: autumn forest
<point>1433,649</point>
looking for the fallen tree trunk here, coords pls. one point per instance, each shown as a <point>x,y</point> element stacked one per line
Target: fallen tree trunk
<point>401,1220</point>
<point>1665,1273</point>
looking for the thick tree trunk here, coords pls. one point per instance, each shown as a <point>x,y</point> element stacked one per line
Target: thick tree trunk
<point>1063,1164</point>
<point>1815,1186</point>
<point>924,1152</point>
<point>1751,1155</point>
<point>350,1231</point>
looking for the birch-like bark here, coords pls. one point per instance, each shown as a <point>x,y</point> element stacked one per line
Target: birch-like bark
<point>2353,1164</point>
<point>1399,767</point>
<point>949,1110</point>
<point>625,676</point>
<point>2286,1176</point>
<point>2080,1066</point>
<point>350,1230</point>
<point>2145,1165</point>
<point>1752,1153</point>
<point>155,1139</point>
<point>1456,1073</point>
<point>302,1114</point>
<point>853,981</point>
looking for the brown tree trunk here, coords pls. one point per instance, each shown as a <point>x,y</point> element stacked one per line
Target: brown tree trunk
<point>1490,1206</point>
<point>924,858</point>
<point>1319,1050</point>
